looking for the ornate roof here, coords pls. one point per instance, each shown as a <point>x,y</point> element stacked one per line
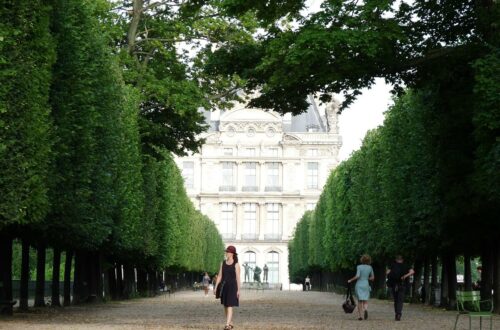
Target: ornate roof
<point>309,121</point>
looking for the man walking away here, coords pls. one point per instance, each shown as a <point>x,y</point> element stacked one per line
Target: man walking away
<point>398,279</point>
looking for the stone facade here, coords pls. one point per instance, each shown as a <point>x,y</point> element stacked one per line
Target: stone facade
<point>256,175</point>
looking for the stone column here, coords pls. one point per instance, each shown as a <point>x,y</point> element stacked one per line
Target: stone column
<point>262,220</point>
<point>239,219</point>
<point>280,222</point>
<point>239,175</point>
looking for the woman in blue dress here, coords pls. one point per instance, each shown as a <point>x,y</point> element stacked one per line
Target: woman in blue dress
<point>364,273</point>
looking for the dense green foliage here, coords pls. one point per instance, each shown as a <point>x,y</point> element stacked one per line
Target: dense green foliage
<point>76,175</point>
<point>26,56</point>
<point>401,194</point>
<point>343,46</point>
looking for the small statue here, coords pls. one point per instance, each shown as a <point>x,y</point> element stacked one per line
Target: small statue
<point>332,112</point>
<point>247,268</point>
<point>266,270</point>
<point>256,274</point>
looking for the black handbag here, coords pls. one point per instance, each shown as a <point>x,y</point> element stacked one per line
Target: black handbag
<point>349,304</point>
<point>218,290</point>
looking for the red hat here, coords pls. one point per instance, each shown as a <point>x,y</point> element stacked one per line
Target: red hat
<point>231,249</point>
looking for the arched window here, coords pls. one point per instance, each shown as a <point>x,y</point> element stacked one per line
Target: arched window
<point>273,265</point>
<point>247,266</point>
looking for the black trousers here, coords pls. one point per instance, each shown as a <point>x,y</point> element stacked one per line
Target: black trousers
<point>398,293</point>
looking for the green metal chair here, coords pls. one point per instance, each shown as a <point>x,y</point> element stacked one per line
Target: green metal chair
<point>469,303</point>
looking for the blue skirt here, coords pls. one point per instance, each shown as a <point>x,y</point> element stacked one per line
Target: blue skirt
<point>362,290</point>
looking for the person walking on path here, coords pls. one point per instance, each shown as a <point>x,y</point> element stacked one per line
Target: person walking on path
<point>308,283</point>
<point>229,275</point>
<point>206,283</point>
<point>398,279</point>
<point>364,273</point>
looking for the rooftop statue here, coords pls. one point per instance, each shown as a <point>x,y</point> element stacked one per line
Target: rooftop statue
<point>332,112</point>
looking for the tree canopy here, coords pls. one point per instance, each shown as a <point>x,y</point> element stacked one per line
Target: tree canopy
<point>346,44</point>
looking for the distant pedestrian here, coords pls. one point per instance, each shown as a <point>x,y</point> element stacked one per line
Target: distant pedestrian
<point>229,276</point>
<point>364,273</point>
<point>206,283</point>
<point>398,279</point>
<point>214,281</point>
<point>308,283</point>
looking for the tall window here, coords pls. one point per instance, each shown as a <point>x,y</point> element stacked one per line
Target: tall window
<point>273,221</point>
<point>250,221</point>
<point>273,177</point>
<point>312,175</point>
<point>273,152</point>
<point>273,265</point>
<point>250,152</point>
<point>251,174</point>
<point>312,152</point>
<point>248,265</point>
<point>227,220</point>
<point>188,174</point>
<point>228,175</point>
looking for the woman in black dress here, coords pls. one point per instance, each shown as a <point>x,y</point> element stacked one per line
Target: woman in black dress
<point>229,275</point>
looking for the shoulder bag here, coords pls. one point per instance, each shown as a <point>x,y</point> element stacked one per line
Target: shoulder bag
<point>349,305</point>
<point>218,290</point>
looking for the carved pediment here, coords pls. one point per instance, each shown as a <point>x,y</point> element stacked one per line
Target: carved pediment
<point>291,138</point>
<point>212,138</point>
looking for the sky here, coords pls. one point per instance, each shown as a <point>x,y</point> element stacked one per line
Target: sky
<point>366,113</point>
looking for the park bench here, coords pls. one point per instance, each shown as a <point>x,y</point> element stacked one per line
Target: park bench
<point>6,306</point>
<point>469,303</point>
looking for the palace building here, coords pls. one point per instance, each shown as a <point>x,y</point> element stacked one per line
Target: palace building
<point>256,175</point>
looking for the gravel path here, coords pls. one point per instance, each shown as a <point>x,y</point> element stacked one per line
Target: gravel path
<point>259,310</point>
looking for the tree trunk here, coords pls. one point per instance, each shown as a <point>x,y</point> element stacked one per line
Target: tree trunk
<point>112,282</point>
<point>426,288</point>
<point>56,268</point>
<point>100,277</point>
<point>155,284</point>
<point>40,276</point>
<point>67,277</point>
<point>120,288</point>
<point>152,283</point>
<point>444,283</point>
<point>142,285</point>
<point>434,280</point>
<point>128,281</point>
<point>25,276</point>
<point>452,281</point>
<point>486,273</point>
<point>81,279</point>
<point>94,276</point>
<point>496,278</point>
<point>134,24</point>
<point>467,273</point>
<point>106,278</point>
<point>416,281</point>
<point>6,272</point>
